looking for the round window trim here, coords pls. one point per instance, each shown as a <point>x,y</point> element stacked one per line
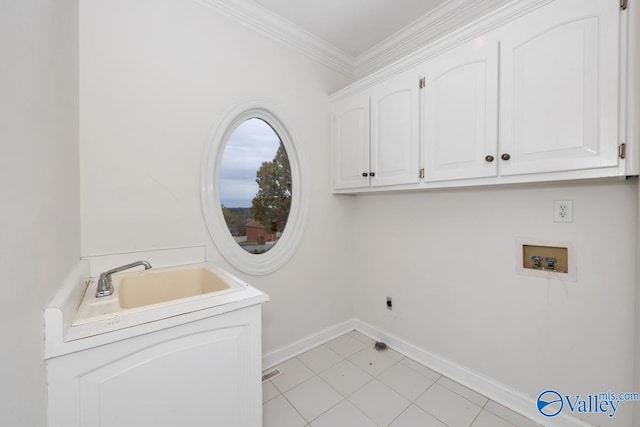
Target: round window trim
<point>279,255</point>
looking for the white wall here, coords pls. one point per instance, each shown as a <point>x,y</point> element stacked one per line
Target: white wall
<point>154,78</point>
<point>636,387</point>
<point>634,136</point>
<point>636,414</point>
<point>448,260</point>
<point>40,240</point>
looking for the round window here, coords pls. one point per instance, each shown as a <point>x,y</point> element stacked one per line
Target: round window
<point>255,186</point>
<point>252,191</point>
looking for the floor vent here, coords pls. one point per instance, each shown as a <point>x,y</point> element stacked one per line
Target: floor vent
<point>271,374</point>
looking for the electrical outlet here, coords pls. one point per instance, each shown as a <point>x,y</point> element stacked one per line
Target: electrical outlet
<point>563,211</point>
<point>389,303</point>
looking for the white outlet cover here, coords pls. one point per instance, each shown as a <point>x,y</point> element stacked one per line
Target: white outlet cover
<point>563,211</point>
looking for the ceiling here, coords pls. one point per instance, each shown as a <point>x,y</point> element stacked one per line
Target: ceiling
<point>353,26</point>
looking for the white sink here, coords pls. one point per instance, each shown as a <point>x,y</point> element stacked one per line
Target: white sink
<point>155,287</point>
<point>151,289</point>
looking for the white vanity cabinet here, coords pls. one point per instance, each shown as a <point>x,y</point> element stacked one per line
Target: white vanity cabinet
<point>537,96</point>
<point>197,374</point>
<point>559,88</point>
<point>376,135</point>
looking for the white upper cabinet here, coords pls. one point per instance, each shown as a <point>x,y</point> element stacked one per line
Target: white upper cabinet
<point>351,142</point>
<point>376,135</point>
<point>559,88</point>
<point>460,112</point>
<point>395,131</point>
<point>537,92</point>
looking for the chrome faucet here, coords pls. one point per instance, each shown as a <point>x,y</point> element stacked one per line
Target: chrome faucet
<point>105,287</point>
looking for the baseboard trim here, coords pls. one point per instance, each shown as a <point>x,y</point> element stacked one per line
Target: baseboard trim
<point>296,348</point>
<point>494,390</point>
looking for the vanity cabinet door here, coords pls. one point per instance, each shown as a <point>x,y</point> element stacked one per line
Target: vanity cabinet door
<point>351,163</point>
<point>395,140</point>
<point>190,381</point>
<point>460,112</point>
<point>197,374</point>
<point>559,88</point>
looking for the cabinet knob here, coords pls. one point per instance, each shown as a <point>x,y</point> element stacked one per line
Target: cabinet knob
<point>505,156</point>
<point>489,158</point>
<point>372,174</point>
<point>364,174</point>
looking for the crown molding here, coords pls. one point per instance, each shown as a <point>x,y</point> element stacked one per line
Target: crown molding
<point>443,23</point>
<point>443,20</point>
<point>277,28</point>
<point>417,55</point>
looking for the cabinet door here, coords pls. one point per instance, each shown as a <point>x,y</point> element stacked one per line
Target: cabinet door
<point>188,381</point>
<point>198,374</point>
<point>460,112</point>
<point>351,142</point>
<point>395,131</point>
<point>559,88</point>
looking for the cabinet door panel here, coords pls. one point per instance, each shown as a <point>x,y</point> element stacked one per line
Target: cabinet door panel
<point>460,112</point>
<point>351,142</point>
<point>395,131</point>
<point>559,73</point>
<point>149,387</point>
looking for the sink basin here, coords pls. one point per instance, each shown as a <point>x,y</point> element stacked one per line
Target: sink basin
<point>155,287</point>
<point>194,287</point>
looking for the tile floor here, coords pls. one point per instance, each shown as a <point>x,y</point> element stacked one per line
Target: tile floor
<point>347,383</point>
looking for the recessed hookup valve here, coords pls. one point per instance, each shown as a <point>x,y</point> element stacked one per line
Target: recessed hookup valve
<point>536,261</point>
<point>551,263</point>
